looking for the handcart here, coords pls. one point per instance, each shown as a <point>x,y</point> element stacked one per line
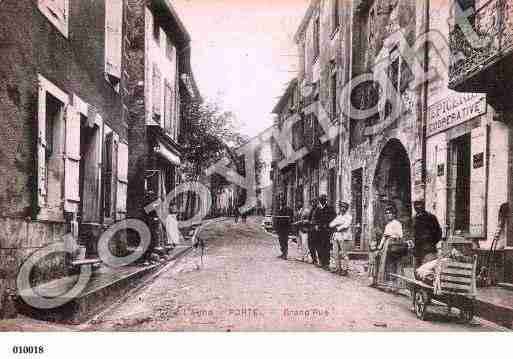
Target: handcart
<point>454,285</point>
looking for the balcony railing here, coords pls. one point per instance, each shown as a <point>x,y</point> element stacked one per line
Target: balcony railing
<point>471,54</point>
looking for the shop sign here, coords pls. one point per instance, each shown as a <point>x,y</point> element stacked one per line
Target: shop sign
<point>453,111</point>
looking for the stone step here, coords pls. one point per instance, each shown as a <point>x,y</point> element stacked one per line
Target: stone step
<point>358,255</point>
<point>104,288</point>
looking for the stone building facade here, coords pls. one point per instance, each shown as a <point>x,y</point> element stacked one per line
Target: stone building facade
<point>433,127</point>
<point>469,132</point>
<point>322,72</point>
<point>62,123</point>
<point>375,158</point>
<point>382,149</point>
<point>159,84</point>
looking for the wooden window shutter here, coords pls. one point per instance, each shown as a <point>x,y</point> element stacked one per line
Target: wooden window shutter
<point>168,108</point>
<point>110,174</point>
<point>478,165</point>
<point>156,84</point>
<point>122,178</point>
<point>41,148</point>
<point>107,174</point>
<point>113,37</point>
<point>72,160</point>
<point>441,183</point>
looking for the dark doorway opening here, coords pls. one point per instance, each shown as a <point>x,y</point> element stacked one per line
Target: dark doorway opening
<point>392,186</point>
<point>459,189</point>
<point>357,205</point>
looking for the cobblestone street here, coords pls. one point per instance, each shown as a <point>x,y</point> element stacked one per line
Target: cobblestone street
<point>243,286</point>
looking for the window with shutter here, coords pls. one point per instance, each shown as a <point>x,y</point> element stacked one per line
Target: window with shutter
<point>52,103</point>
<point>157,97</point>
<point>113,39</point>
<point>122,178</point>
<point>56,11</point>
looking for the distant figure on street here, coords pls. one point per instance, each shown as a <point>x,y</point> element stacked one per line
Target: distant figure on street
<point>174,236</point>
<point>342,237</point>
<point>427,234</point>
<point>322,218</point>
<point>282,223</point>
<point>236,214</point>
<point>244,216</point>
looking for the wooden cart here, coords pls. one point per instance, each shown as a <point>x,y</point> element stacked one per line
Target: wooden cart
<point>454,285</point>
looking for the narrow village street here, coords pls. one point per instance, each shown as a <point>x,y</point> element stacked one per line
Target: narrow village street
<point>243,286</point>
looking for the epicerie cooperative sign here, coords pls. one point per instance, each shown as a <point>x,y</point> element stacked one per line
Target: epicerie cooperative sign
<point>454,111</point>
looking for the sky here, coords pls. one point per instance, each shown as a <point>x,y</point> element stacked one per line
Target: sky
<point>243,53</point>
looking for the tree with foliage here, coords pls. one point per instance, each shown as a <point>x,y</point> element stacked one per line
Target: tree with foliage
<point>208,135</point>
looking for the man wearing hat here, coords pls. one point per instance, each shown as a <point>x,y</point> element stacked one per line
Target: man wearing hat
<point>282,225</point>
<point>427,233</point>
<point>322,218</point>
<point>342,237</point>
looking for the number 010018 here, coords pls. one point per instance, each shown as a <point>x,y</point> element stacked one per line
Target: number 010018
<point>28,349</point>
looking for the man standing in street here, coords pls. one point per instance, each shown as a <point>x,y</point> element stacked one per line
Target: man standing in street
<point>312,237</point>
<point>282,223</point>
<point>342,237</point>
<point>427,233</point>
<point>322,218</point>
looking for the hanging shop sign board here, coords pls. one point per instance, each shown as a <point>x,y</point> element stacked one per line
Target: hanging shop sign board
<point>453,111</point>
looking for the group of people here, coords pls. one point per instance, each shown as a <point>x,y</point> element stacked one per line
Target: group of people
<point>387,256</point>
<point>319,228</point>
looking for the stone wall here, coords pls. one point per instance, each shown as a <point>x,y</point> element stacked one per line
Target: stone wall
<point>77,66</point>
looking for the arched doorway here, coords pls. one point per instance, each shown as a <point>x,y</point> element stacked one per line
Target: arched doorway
<point>392,185</point>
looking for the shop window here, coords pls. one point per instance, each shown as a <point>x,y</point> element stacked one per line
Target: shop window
<point>459,189</point>
<point>57,12</point>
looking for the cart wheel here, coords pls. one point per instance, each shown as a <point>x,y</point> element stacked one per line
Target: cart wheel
<point>421,302</point>
<point>467,314</point>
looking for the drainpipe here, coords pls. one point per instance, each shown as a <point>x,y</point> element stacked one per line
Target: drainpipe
<point>347,38</point>
<point>425,101</point>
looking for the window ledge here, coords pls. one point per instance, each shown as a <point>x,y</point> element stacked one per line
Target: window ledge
<point>113,81</point>
<point>60,25</point>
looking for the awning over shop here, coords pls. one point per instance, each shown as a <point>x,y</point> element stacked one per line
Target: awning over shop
<point>167,154</point>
